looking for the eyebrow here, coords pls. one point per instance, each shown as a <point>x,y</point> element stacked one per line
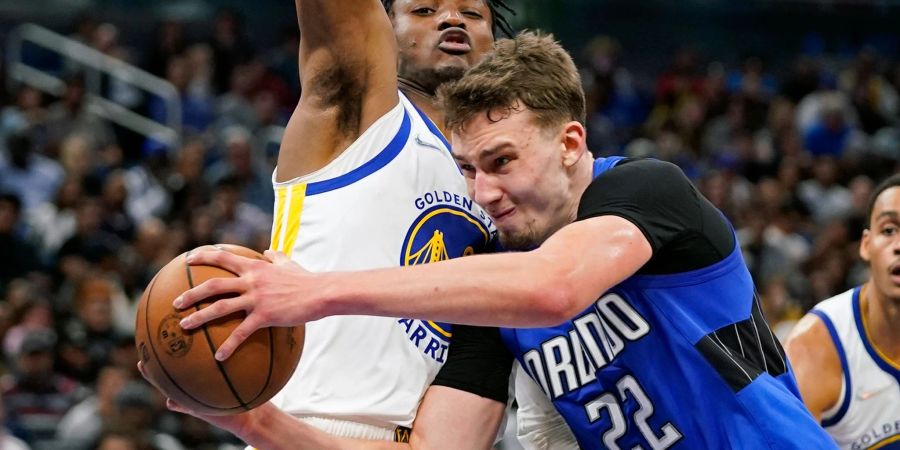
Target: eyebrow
<point>484,154</point>
<point>889,214</point>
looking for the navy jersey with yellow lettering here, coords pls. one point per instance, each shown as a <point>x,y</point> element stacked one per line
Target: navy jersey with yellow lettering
<point>679,355</point>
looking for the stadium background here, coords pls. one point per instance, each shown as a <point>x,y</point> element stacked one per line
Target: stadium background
<point>784,113</point>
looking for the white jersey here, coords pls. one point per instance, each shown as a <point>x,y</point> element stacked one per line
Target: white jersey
<point>539,426</point>
<point>395,197</point>
<point>867,416</point>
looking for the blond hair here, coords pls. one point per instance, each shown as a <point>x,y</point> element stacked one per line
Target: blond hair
<point>531,69</point>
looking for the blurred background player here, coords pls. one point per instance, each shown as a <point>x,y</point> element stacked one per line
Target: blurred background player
<point>846,351</point>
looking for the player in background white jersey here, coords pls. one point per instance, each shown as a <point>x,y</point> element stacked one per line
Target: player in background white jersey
<point>846,351</point>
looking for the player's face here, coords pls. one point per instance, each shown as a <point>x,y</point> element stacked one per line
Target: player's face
<point>515,170</point>
<point>880,245</point>
<point>439,39</point>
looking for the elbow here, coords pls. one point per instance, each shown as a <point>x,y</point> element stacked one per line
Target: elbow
<point>557,302</point>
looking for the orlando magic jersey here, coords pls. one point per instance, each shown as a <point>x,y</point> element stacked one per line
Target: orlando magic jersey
<point>680,360</point>
<point>394,197</point>
<point>867,415</point>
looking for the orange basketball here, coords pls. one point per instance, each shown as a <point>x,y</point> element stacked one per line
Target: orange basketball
<point>181,362</point>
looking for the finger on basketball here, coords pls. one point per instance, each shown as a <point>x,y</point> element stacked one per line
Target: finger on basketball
<point>220,308</point>
<point>209,288</point>
<point>219,258</point>
<point>237,337</point>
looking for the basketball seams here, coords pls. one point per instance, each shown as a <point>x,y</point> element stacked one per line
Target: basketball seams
<point>159,363</point>
<point>212,346</point>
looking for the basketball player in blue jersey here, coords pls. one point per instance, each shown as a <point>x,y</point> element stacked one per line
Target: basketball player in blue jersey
<point>846,351</point>
<point>645,330</point>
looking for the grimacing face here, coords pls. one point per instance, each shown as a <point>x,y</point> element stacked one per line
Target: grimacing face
<point>439,40</point>
<point>880,245</point>
<point>516,171</point>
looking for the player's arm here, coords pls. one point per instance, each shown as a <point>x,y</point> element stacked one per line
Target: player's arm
<point>447,418</point>
<point>816,365</point>
<point>348,60</point>
<point>625,220</point>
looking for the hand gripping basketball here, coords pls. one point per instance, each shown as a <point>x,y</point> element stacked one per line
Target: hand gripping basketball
<point>269,294</point>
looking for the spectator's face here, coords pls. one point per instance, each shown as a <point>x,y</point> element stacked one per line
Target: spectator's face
<point>116,443</point>
<point>9,215</point>
<point>880,245</point>
<point>36,366</point>
<point>520,173</point>
<point>440,39</point>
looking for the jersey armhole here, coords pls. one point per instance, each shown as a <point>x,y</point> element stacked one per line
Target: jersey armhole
<point>834,414</point>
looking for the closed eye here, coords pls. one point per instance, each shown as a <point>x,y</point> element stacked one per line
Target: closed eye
<point>423,11</point>
<point>473,14</point>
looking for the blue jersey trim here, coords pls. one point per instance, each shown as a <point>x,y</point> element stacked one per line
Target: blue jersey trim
<point>431,126</point>
<point>387,155</point>
<point>845,368</point>
<point>857,316</point>
<point>603,164</point>
<point>733,261</point>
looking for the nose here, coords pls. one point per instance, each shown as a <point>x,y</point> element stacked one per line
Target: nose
<point>452,18</point>
<point>484,190</point>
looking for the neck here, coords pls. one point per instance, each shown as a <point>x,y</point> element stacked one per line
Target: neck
<point>424,100</point>
<point>882,317</point>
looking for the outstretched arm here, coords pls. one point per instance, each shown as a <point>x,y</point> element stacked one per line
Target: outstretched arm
<point>543,287</point>
<point>348,71</point>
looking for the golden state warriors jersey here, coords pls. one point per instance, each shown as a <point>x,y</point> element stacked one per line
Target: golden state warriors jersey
<point>394,197</point>
<point>867,415</point>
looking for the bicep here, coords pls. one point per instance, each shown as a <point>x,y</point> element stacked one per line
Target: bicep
<point>451,418</point>
<point>816,365</point>
<point>595,254</point>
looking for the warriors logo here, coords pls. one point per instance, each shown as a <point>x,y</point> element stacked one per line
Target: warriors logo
<point>439,233</point>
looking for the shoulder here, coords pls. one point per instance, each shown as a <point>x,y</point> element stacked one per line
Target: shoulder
<point>810,347</point>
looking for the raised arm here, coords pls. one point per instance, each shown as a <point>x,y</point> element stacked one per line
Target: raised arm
<point>348,73</point>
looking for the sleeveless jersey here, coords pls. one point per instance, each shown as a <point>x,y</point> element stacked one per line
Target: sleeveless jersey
<point>868,413</point>
<point>681,361</point>
<point>394,197</point>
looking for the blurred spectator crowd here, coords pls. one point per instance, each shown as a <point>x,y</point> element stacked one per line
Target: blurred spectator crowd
<point>90,211</point>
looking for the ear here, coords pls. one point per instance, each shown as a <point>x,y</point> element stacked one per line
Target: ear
<point>864,246</point>
<point>574,143</point>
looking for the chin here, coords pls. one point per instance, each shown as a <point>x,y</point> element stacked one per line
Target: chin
<point>517,241</point>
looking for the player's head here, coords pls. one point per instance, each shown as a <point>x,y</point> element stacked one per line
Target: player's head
<point>517,124</point>
<point>880,245</point>
<point>439,39</point>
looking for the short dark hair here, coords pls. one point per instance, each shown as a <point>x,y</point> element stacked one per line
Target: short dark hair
<point>887,183</point>
<point>531,69</point>
<point>498,20</point>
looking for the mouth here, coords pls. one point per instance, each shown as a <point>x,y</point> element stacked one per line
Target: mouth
<point>502,215</point>
<point>455,41</point>
<point>895,272</point>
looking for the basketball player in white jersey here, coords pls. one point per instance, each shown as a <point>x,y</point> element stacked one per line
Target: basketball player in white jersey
<point>365,180</point>
<point>846,351</point>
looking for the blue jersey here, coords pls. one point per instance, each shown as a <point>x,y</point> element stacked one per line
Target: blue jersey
<point>681,361</point>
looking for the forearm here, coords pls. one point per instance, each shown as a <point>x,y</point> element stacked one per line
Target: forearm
<point>274,429</point>
<point>543,287</point>
<point>521,289</point>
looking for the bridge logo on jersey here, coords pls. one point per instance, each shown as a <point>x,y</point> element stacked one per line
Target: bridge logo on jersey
<point>449,228</point>
<point>572,357</point>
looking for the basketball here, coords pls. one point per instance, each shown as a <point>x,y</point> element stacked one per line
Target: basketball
<point>181,363</point>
